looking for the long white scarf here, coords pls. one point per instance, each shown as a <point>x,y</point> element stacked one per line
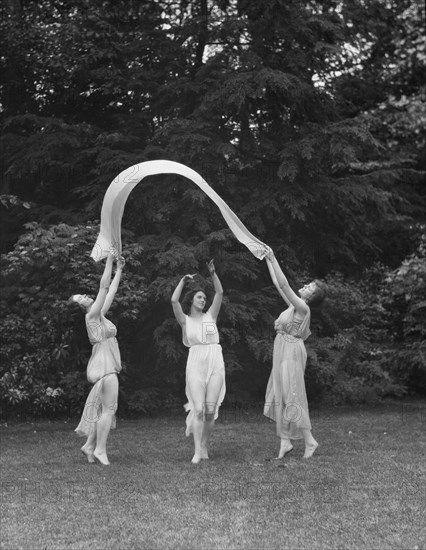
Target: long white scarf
<point>120,188</point>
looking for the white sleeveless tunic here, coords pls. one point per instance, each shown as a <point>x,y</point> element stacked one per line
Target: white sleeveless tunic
<point>204,359</point>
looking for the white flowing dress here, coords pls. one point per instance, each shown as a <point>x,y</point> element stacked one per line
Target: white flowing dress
<point>204,359</point>
<point>104,361</point>
<point>286,402</point>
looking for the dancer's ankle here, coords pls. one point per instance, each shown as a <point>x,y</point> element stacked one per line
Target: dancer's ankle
<point>310,448</point>
<point>285,447</point>
<point>204,452</point>
<point>88,452</point>
<point>101,456</point>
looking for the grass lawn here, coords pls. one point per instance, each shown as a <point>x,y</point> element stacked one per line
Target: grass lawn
<point>364,487</point>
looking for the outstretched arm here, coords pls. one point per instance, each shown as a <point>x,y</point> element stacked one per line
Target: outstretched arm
<point>113,287</point>
<point>218,295</point>
<point>95,310</point>
<point>289,295</point>
<point>275,282</point>
<point>177,308</point>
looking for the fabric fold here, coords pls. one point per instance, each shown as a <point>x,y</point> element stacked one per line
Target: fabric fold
<point>120,188</point>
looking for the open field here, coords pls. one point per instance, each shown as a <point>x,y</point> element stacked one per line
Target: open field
<point>364,488</point>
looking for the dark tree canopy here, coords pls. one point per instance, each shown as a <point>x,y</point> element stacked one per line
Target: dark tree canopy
<point>305,116</point>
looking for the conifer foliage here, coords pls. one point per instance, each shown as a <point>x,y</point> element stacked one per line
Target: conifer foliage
<point>299,114</point>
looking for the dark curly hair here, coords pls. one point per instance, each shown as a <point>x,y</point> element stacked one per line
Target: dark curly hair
<point>319,293</point>
<point>188,298</point>
<point>72,303</point>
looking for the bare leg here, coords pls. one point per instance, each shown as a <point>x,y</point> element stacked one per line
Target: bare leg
<point>90,444</point>
<point>285,447</point>
<point>197,391</point>
<point>212,396</point>
<point>310,443</point>
<point>109,396</point>
<point>205,435</point>
<point>197,430</point>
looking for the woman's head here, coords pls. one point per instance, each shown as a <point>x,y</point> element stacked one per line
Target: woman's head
<point>82,300</point>
<point>313,293</point>
<point>195,297</point>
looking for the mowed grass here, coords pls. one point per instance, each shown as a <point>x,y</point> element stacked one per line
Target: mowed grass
<point>364,488</point>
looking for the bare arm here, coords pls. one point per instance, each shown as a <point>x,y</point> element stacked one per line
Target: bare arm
<point>299,305</point>
<point>218,295</point>
<point>275,282</point>
<point>177,308</point>
<point>95,310</point>
<point>113,287</point>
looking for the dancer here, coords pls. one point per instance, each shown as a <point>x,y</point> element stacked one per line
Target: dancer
<point>285,401</point>
<point>104,365</point>
<point>205,369</point>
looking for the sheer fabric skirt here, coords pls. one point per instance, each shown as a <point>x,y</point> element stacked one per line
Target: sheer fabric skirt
<point>104,361</point>
<point>203,361</point>
<point>285,401</point>
<point>93,409</point>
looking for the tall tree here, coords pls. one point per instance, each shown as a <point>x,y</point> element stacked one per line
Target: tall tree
<point>276,103</point>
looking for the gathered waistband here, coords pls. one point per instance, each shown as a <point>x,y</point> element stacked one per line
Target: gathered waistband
<point>203,345</point>
<point>102,341</point>
<point>284,333</point>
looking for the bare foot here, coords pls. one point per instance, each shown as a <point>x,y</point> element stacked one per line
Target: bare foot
<point>88,453</point>
<point>204,454</point>
<point>310,449</point>
<point>102,458</point>
<point>285,448</point>
<point>196,459</point>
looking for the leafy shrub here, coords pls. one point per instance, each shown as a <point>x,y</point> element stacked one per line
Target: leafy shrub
<point>404,298</point>
<point>367,340</point>
<point>45,348</point>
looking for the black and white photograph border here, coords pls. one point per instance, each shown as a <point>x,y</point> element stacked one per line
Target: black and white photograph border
<point>213,268</point>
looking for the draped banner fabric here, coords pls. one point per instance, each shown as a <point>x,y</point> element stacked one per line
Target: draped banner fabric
<point>119,190</point>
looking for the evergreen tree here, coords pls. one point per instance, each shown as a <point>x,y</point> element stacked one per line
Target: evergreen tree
<point>278,104</point>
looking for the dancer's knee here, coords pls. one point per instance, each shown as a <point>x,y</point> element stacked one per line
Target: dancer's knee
<point>199,412</point>
<point>209,416</point>
<point>210,410</point>
<point>109,410</point>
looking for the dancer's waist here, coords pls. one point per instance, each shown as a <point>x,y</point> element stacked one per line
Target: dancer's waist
<point>107,340</point>
<point>206,344</point>
<point>288,334</point>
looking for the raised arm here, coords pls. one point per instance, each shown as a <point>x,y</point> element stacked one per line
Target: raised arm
<point>275,282</point>
<point>113,287</point>
<point>289,294</point>
<point>95,310</point>
<point>218,291</point>
<point>177,308</point>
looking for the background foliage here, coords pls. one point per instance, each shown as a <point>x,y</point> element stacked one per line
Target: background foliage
<point>306,117</point>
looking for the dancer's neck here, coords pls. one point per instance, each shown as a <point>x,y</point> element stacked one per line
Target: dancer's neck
<point>196,313</point>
